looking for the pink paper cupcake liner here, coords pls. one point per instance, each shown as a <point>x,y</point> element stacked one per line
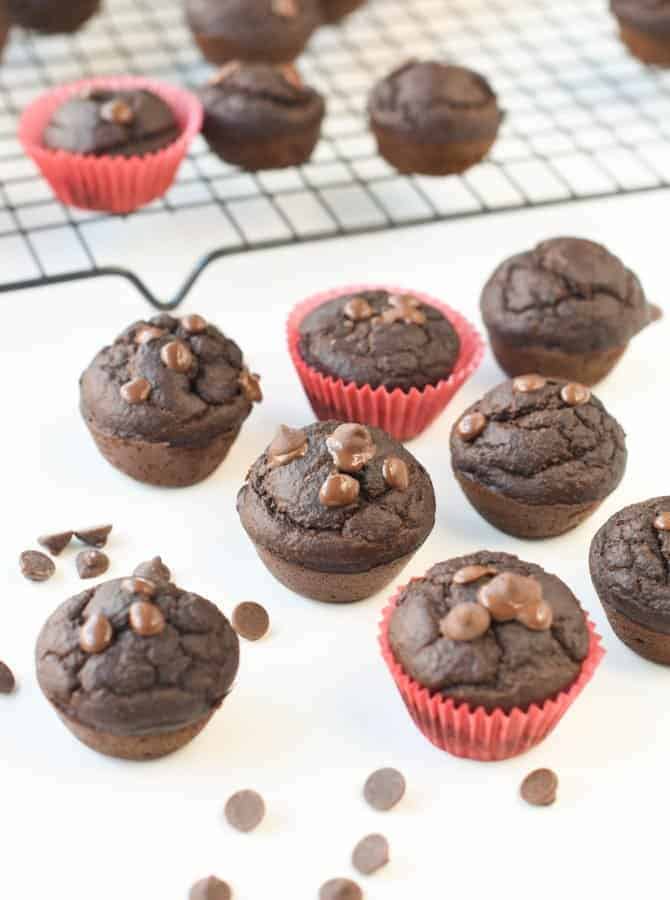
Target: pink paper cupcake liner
<point>403,414</point>
<point>112,184</point>
<point>482,735</point>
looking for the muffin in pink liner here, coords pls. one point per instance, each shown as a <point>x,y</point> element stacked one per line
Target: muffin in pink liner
<point>130,174</point>
<point>381,356</point>
<point>488,652</point>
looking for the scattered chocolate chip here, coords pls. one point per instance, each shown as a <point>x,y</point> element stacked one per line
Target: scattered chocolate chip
<point>251,386</point>
<point>339,490</point>
<point>471,426</point>
<point>340,889</point>
<point>527,383</point>
<point>539,788</point>
<point>117,111</point>
<point>136,391</point>
<point>139,585</point>
<point>465,622</point>
<point>91,563</point>
<point>210,889</point>
<point>245,810</point>
<point>288,444</point>
<point>194,324</point>
<point>36,566</point>
<point>404,309</point>
<point>662,521</point>
<point>351,447</point>
<point>358,309</point>
<point>94,537</point>
<point>396,473</point>
<point>508,593</point>
<point>251,621</point>
<point>7,680</point>
<point>177,356</point>
<point>370,854</point>
<point>287,9</point>
<point>575,394</point>
<point>468,574</point>
<point>147,333</point>
<point>384,789</point>
<point>96,634</point>
<point>55,543</point>
<point>146,619</point>
<point>154,570</point>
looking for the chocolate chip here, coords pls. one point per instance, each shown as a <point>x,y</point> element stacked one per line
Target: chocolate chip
<point>146,619</point>
<point>210,889</point>
<point>147,333</point>
<point>154,570</point>
<point>575,394</point>
<point>94,537</point>
<point>177,357</point>
<point>468,574</point>
<point>384,789</point>
<point>7,680</point>
<point>136,391</point>
<point>340,889</point>
<point>55,543</point>
<point>251,386</point>
<point>91,563</point>
<point>539,788</point>
<point>251,621</point>
<point>527,383</point>
<point>36,566</point>
<point>288,444</point>
<point>508,593</point>
<point>287,9</point>
<point>139,585</point>
<point>339,490</point>
<point>351,447</point>
<point>404,309</point>
<point>358,309</point>
<point>194,324</point>
<point>245,810</point>
<point>370,854</point>
<point>465,622</point>
<point>471,426</point>
<point>536,616</point>
<point>117,111</point>
<point>96,634</point>
<point>662,521</point>
<point>396,473</point>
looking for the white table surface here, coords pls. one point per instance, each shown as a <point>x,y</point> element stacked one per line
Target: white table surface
<point>314,709</point>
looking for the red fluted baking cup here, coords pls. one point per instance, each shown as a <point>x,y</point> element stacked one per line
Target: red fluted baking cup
<point>113,184</point>
<point>404,414</point>
<point>481,735</point>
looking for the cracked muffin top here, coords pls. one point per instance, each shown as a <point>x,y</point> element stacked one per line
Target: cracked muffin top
<point>137,655</point>
<point>540,440</point>
<point>630,562</point>
<point>337,498</point>
<point>647,15</point>
<point>436,101</point>
<point>490,630</point>
<point>180,381</point>
<point>567,294</point>
<point>380,338</point>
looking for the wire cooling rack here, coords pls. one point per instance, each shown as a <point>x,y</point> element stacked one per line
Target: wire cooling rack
<point>584,120</point>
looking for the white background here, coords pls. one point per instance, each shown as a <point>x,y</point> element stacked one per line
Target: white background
<point>314,709</point>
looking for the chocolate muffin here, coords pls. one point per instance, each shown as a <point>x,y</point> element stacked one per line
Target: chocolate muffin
<point>260,116</point>
<point>491,631</point>
<point>336,511</point>
<point>334,11</point>
<point>644,26</point>
<point>273,31</point>
<point>630,561</point>
<point>379,338</point>
<point>52,16</point>
<point>103,122</point>
<point>434,119</point>
<point>568,308</point>
<point>536,456</point>
<point>4,25</point>
<point>166,400</point>
<point>136,667</point>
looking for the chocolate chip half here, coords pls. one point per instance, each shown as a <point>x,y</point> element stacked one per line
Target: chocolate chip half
<point>96,634</point>
<point>210,889</point>
<point>245,810</point>
<point>94,537</point>
<point>55,543</point>
<point>384,789</point>
<point>340,889</point>
<point>36,566</point>
<point>251,620</point>
<point>7,680</point>
<point>153,570</point>
<point>370,854</point>
<point>539,788</point>
<point>91,563</point>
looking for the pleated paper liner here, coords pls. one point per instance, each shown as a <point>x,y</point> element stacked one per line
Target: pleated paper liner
<point>403,414</point>
<point>481,735</point>
<point>112,184</point>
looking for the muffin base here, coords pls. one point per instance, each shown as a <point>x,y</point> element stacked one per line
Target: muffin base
<point>162,464</point>
<point>646,47</point>
<point>252,155</point>
<point>336,10</point>
<point>218,50</point>
<point>652,645</point>
<point>61,18</point>
<point>587,368</point>
<point>331,587</point>
<point>408,155</point>
<point>524,520</point>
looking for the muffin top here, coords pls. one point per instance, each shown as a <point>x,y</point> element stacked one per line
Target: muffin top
<point>255,21</point>
<point>259,99</point>
<point>135,655</point>
<point>540,440</point>
<point>567,294</point>
<point>490,630</point>
<point>166,379</point>
<point>102,122</point>
<point>630,562</point>
<point>379,338</point>
<point>436,100</point>
<point>653,15</point>
<point>337,498</point>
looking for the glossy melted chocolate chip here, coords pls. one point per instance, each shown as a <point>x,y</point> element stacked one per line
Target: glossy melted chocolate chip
<point>471,426</point>
<point>177,356</point>
<point>351,447</point>
<point>288,444</point>
<point>118,112</point>
<point>136,391</point>
<point>404,309</point>
<point>251,386</point>
<point>468,574</point>
<point>509,596</point>
<point>527,383</point>
<point>339,490</point>
<point>396,473</point>
<point>146,619</point>
<point>139,585</point>
<point>96,634</point>
<point>575,394</point>
<point>147,333</point>
<point>194,324</point>
<point>466,622</point>
<point>358,309</point>
<point>662,521</point>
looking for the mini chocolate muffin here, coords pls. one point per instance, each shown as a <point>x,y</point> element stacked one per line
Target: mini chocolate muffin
<point>644,26</point>
<point>335,10</point>
<point>260,116</point>
<point>568,308</point>
<point>630,561</point>
<point>536,456</point>
<point>166,400</point>
<point>380,338</point>
<point>102,122</point>
<point>336,511</point>
<point>434,119</point>
<point>490,630</point>
<point>135,667</point>
<point>52,16</point>
<point>273,31</point>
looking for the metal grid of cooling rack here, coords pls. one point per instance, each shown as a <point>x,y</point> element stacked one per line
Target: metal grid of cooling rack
<point>584,119</point>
